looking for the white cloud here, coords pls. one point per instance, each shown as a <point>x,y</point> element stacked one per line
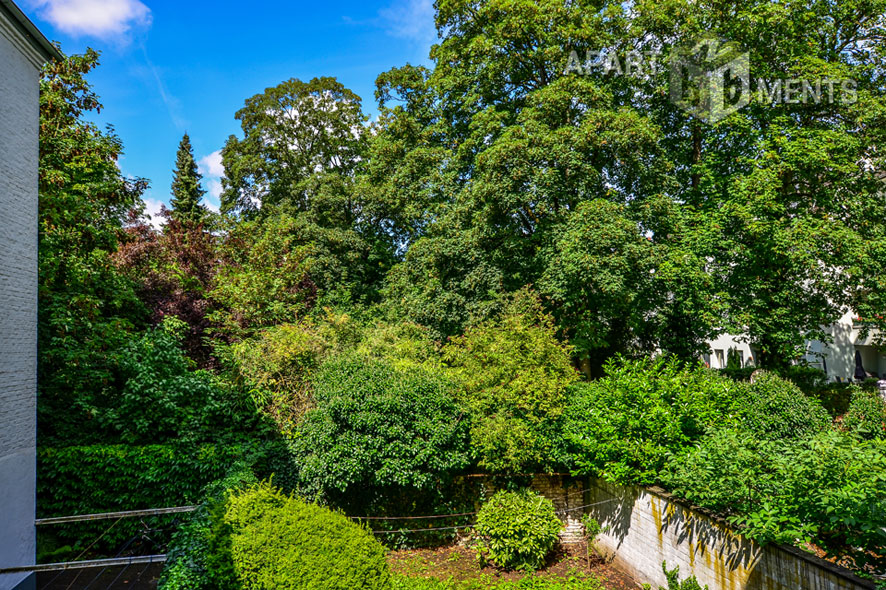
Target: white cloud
<point>212,200</point>
<point>212,170</point>
<point>411,19</point>
<point>153,208</point>
<point>211,165</point>
<point>97,18</point>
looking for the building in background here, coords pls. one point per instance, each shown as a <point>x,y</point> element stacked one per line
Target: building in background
<point>836,359</point>
<point>23,51</point>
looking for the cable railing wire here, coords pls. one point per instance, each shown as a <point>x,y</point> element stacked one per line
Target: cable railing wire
<point>464,526</point>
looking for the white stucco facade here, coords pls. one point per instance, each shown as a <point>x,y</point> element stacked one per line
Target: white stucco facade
<point>836,359</point>
<point>22,53</point>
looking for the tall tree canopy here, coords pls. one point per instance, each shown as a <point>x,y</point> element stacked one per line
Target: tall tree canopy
<point>292,132</point>
<point>301,147</point>
<point>645,227</point>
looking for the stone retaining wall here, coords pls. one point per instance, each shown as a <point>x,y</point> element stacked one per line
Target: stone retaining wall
<point>646,526</point>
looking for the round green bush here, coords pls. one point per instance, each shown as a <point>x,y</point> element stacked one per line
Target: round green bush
<point>866,414</point>
<point>379,427</point>
<point>516,530</point>
<point>280,542</point>
<point>776,408</point>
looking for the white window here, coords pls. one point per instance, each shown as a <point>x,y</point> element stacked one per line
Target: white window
<point>718,354</point>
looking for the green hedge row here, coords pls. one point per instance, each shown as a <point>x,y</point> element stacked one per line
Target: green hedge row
<point>107,478</point>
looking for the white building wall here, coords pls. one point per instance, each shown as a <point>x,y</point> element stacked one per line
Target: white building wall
<point>19,117</point>
<point>718,355</point>
<point>840,354</point>
<point>837,359</point>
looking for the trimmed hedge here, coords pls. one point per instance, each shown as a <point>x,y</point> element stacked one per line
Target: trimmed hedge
<point>106,478</point>
<point>279,542</point>
<point>199,555</point>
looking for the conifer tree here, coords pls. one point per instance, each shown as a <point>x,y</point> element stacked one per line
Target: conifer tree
<point>186,189</point>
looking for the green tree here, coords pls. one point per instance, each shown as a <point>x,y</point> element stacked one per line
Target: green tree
<point>767,222</point>
<point>291,132</point>
<point>263,279</point>
<point>302,143</point>
<point>513,374</point>
<point>87,307</point>
<point>186,189</point>
<point>780,196</point>
<point>509,157</point>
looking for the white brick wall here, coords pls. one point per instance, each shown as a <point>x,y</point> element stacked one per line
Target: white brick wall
<point>647,527</point>
<point>19,115</point>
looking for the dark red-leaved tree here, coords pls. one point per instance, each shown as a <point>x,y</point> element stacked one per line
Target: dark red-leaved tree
<point>174,268</point>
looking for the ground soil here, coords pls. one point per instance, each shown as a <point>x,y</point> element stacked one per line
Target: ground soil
<point>460,563</point>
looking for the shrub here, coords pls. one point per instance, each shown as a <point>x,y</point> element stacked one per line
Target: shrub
<point>513,374</point>
<point>866,414</point>
<point>199,554</point>
<point>277,366</point>
<point>516,530</point>
<point>625,425</point>
<point>737,373</point>
<point>674,583</point>
<point>776,408</point>
<point>834,397</point>
<point>379,427</point>
<point>828,487</point>
<point>280,542</point>
<point>806,377</point>
<point>725,472</point>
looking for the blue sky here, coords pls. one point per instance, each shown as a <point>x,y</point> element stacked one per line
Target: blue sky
<point>170,67</point>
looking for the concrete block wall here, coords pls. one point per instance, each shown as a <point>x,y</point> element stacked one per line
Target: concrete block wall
<point>19,116</point>
<point>646,526</point>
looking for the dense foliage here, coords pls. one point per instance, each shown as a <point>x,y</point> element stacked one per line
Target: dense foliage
<point>108,478</point>
<point>514,268</point>
<point>199,555</point>
<point>87,308</point>
<point>626,424</point>
<point>377,428</point>
<point>513,374</point>
<point>866,414</point>
<point>828,488</point>
<point>516,530</point>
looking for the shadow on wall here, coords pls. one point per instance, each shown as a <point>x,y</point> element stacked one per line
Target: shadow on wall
<point>702,535</point>
<point>613,508</point>
<point>644,527</point>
